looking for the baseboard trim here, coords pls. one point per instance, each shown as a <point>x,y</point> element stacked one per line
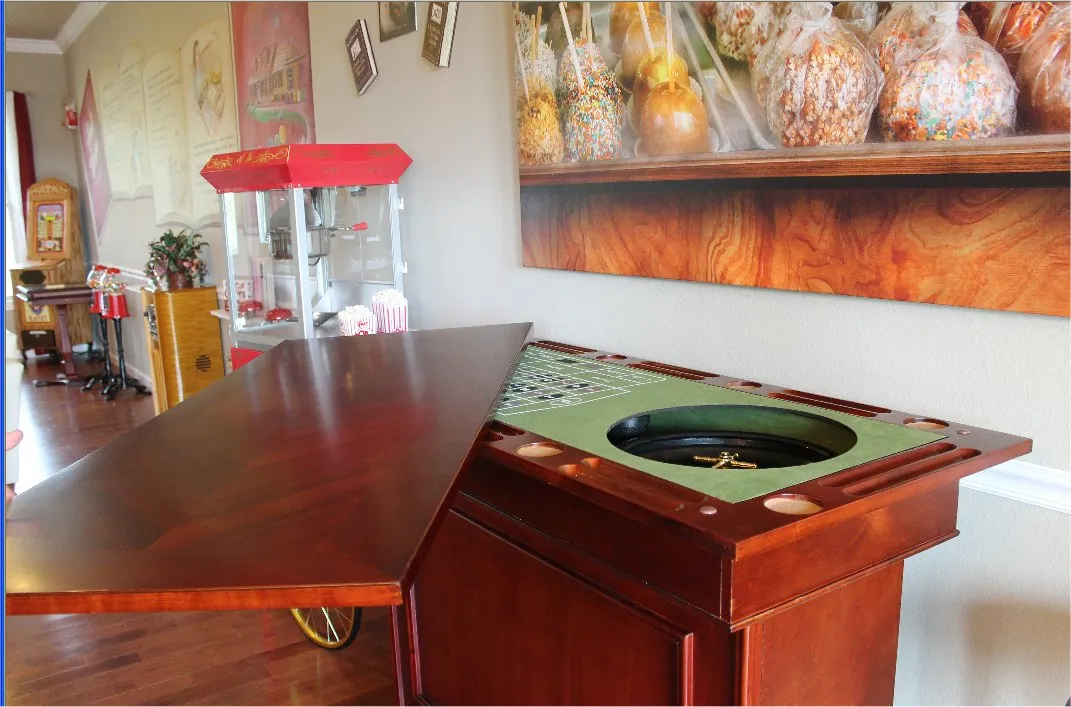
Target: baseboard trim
<point>1022,481</point>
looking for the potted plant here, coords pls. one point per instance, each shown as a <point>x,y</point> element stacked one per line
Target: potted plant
<point>175,260</point>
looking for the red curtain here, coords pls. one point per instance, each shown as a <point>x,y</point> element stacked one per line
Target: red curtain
<point>27,174</point>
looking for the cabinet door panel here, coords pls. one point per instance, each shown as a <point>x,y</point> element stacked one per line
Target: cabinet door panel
<point>496,624</point>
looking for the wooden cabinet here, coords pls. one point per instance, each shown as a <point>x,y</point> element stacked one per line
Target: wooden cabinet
<point>531,596</point>
<point>521,628</point>
<point>183,341</point>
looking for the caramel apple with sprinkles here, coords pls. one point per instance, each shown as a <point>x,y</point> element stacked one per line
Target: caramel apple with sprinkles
<point>539,136</point>
<point>536,54</point>
<point>592,103</point>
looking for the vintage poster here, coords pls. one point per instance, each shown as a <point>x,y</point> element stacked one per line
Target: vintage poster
<point>131,70</point>
<point>274,74</point>
<point>115,132</point>
<point>211,122</point>
<point>94,159</point>
<point>165,120</point>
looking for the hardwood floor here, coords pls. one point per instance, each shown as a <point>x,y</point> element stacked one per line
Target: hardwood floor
<point>210,658</point>
<point>62,425</point>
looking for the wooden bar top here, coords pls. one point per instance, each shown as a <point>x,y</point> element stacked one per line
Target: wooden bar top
<point>311,476</point>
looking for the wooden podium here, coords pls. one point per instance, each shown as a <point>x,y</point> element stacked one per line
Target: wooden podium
<point>60,298</point>
<point>54,257</point>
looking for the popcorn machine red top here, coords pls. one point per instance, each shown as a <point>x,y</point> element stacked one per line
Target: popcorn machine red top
<point>309,230</point>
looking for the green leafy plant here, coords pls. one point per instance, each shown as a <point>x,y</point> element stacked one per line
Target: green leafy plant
<point>177,254</point>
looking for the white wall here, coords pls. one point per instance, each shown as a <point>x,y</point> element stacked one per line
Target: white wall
<point>985,618</point>
<point>131,223</point>
<point>1004,371</point>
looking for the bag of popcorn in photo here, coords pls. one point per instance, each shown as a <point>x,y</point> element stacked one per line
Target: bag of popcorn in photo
<point>769,23</point>
<point>1044,76</point>
<point>861,17</point>
<point>1008,26</point>
<point>907,22</point>
<point>947,85</point>
<point>732,27</point>
<point>823,83</point>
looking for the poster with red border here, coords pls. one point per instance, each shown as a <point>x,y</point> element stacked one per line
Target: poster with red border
<point>94,159</point>
<point>272,62</point>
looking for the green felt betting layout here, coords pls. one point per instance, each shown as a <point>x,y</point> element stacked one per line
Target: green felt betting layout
<point>575,400</point>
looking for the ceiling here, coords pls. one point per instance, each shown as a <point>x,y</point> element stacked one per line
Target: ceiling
<point>36,19</point>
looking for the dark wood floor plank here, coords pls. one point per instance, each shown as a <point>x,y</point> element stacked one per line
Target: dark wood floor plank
<point>210,658</point>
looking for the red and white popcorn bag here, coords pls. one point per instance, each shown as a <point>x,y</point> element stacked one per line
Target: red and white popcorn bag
<point>356,321</point>
<point>391,310</point>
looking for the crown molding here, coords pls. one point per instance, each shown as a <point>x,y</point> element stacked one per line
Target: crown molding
<point>77,22</point>
<point>31,46</point>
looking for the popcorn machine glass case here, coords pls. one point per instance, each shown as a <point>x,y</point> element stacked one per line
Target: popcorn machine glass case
<point>309,230</point>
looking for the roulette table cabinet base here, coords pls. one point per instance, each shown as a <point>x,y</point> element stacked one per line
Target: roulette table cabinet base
<point>566,526</point>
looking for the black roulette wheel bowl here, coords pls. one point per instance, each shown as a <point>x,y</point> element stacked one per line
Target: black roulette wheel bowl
<point>768,437</point>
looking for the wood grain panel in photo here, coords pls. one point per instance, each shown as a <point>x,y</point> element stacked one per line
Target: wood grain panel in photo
<point>1001,247</point>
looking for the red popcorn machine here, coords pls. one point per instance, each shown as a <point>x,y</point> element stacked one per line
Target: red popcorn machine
<point>309,231</point>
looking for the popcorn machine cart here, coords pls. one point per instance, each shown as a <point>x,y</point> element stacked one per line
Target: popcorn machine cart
<point>309,230</point>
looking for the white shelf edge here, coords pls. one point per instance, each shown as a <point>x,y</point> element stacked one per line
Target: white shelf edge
<point>1018,480</point>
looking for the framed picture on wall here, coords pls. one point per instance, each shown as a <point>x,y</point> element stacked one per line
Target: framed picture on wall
<point>396,19</point>
<point>362,60</point>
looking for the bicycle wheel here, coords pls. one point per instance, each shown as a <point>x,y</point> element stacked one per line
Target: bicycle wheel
<point>329,627</point>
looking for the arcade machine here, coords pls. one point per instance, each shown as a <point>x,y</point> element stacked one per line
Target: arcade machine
<point>54,257</point>
<point>309,231</point>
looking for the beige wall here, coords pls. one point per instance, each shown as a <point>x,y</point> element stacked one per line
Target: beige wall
<point>461,237</point>
<point>131,223</point>
<point>1005,371</point>
<point>43,78</point>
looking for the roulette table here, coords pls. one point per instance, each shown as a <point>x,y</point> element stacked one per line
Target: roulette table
<point>548,523</point>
